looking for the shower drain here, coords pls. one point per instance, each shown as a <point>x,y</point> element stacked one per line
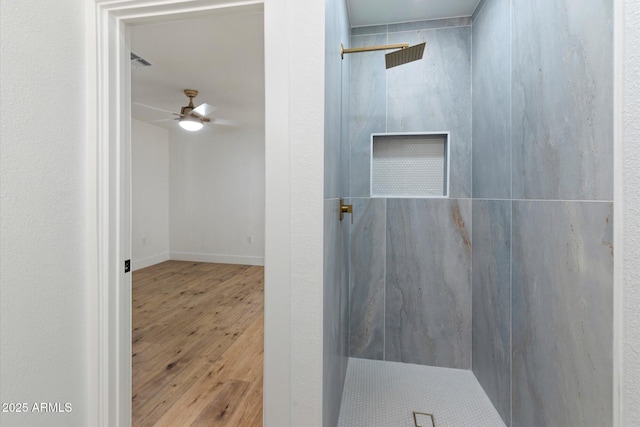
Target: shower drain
<point>421,419</point>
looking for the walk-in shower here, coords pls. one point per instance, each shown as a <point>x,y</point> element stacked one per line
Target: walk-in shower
<point>499,283</point>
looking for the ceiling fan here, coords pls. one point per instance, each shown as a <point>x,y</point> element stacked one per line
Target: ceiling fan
<point>191,118</point>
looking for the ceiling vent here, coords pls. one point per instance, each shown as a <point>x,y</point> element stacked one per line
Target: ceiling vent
<point>137,61</point>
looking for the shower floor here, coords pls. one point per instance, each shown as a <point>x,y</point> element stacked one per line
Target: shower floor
<point>385,394</point>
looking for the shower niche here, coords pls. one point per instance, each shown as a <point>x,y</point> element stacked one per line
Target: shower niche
<point>410,165</point>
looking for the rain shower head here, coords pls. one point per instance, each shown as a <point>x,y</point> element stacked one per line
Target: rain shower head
<point>403,56</point>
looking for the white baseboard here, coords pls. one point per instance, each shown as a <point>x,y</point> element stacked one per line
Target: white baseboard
<point>217,258</point>
<point>137,264</point>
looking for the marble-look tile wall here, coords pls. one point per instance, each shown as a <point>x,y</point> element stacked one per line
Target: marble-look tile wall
<point>562,99</point>
<point>492,101</point>
<point>428,282</point>
<point>542,165</point>
<point>367,278</point>
<point>410,281</point>
<point>368,109</point>
<point>433,94</point>
<point>491,272</point>
<point>562,313</point>
<point>539,319</point>
<point>410,265</point>
<point>336,106</point>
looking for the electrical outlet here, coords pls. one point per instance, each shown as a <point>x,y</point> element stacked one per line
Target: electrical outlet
<point>249,239</point>
<point>127,266</point>
<point>144,241</point>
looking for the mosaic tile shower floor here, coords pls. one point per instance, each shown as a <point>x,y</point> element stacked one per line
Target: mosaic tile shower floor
<point>385,394</point>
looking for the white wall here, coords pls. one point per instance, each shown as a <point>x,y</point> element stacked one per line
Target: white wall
<point>149,194</point>
<point>277,272</point>
<point>306,127</point>
<point>44,285</point>
<point>630,377</point>
<point>197,196</point>
<point>216,195</point>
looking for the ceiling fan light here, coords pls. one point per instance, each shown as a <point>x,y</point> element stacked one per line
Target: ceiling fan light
<point>191,124</point>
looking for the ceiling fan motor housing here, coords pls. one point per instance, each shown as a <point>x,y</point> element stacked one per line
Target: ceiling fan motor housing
<point>185,111</point>
<point>191,93</point>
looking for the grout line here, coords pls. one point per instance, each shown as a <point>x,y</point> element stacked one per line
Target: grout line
<point>386,99</point>
<point>511,212</point>
<point>549,200</point>
<point>511,99</point>
<point>384,287</point>
<point>430,29</point>
<point>511,314</point>
<point>471,95</point>
<point>412,30</point>
<point>471,189</point>
<point>486,199</point>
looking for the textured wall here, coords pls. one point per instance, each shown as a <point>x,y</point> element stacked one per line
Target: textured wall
<point>305,122</point>
<point>336,178</point>
<point>43,284</point>
<point>630,161</point>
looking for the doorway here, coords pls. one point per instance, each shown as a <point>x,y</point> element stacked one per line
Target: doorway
<point>293,201</point>
<point>197,200</point>
<point>109,85</point>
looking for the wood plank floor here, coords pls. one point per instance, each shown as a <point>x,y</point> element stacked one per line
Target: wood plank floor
<point>197,345</point>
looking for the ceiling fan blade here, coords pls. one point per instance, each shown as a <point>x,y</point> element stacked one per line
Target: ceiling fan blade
<point>224,122</point>
<point>152,107</point>
<point>204,109</point>
<point>160,120</point>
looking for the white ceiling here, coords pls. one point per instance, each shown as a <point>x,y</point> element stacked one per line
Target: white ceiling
<point>222,56</point>
<point>377,12</point>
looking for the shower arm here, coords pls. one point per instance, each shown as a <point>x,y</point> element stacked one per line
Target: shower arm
<point>372,48</point>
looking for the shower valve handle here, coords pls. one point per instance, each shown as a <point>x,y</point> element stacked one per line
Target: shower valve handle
<point>345,209</point>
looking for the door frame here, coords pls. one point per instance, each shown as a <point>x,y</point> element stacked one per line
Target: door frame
<point>108,204</point>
